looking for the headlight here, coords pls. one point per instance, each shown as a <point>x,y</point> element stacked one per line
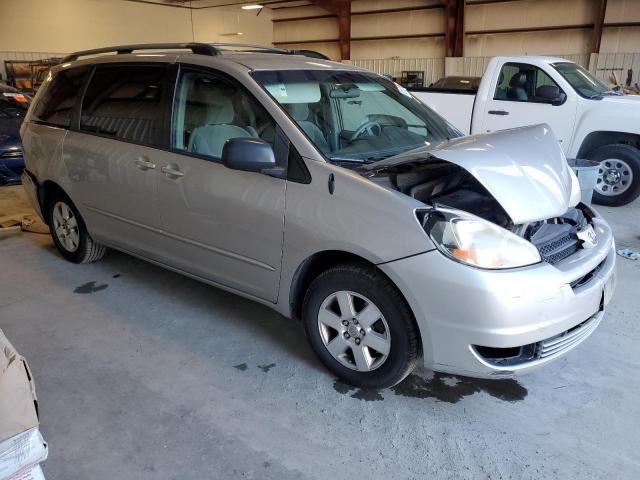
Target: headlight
<point>477,242</point>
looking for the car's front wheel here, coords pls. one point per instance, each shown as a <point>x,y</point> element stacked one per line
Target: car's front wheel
<point>618,180</point>
<point>360,326</point>
<point>69,232</point>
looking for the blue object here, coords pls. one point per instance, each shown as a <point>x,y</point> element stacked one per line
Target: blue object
<point>13,108</point>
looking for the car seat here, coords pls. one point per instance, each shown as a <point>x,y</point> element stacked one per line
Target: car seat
<point>210,138</point>
<point>516,89</point>
<point>300,113</point>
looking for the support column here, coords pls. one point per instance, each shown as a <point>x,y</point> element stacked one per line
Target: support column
<point>342,10</point>
<point>598,24</point>
<point>454,28</point>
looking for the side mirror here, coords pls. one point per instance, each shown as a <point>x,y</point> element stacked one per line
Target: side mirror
<point>250,155</point>
<point>550,94</point>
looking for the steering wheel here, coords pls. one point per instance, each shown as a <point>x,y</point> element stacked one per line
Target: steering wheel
<point>370,127</point>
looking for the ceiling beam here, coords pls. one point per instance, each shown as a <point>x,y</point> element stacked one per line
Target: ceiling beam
<point>342,10</point>
<point>454,28</point>
<point>598,24</point>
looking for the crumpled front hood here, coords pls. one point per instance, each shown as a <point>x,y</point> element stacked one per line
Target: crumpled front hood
<point>523,168</point>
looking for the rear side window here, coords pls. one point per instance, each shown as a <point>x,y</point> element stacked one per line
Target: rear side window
<point>55,104</point>
<point>125,102</point>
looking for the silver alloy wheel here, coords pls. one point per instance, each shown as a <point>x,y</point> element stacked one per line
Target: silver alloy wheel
<point>614,177</point>
<point>354,331</point>
<point>65,226</point>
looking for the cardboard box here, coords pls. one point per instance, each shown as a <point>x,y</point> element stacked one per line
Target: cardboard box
<point>18,401</point>
<point>20,455</point>
<point>34,473</point>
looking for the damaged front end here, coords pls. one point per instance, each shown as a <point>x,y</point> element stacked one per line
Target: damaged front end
<point>501,200</point>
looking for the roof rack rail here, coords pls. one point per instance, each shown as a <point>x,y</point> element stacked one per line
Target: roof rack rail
<point>281,51</point>
<point>249,46</point>
<point>198,48</point>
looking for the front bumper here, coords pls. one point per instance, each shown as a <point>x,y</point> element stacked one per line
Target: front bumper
<point>549,309</point>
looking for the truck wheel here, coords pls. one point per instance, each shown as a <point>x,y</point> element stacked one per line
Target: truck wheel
<point>360,326</point>
<point>619,174</point>
<point>69,232</point>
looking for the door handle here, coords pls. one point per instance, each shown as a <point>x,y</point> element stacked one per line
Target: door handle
<point>170,171</point>
<point>498,112</point>
<point>144,164</point>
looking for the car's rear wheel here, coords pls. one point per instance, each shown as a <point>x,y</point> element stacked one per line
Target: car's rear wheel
<point>360,326</point>
<point>69,232</point>
<point>618,180</point>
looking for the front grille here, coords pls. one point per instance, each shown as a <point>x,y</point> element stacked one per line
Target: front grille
<point>579,282</point>
<point>515,356</point>
<point>559,249</point>
<point>557,238</point>
<point>566,340</point>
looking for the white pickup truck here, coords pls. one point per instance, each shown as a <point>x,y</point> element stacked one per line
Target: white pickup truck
<point>590,120</point>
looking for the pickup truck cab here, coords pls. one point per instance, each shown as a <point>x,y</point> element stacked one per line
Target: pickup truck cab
<point>589,119</point>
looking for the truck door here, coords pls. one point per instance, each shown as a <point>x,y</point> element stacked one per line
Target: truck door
<point>524,94</point>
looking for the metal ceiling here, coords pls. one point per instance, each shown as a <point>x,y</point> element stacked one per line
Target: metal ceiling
<point>200,4</point>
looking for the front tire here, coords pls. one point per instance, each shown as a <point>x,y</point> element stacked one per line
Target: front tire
<point>360,326</point>
<point>619,174</point>
<point>69,232</point>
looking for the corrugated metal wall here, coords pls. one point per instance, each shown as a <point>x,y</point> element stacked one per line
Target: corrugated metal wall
<point>605,63</point>
<point>435,68</point>
<point>602,65</point>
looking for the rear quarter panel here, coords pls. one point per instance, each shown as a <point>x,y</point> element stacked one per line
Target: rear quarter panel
<point>43,153</point>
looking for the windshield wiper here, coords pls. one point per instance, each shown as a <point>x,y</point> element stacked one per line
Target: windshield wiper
<point>349,160</point>
<point>607,92</point>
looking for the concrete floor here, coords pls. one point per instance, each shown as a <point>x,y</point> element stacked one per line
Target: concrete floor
<point>144,374</point>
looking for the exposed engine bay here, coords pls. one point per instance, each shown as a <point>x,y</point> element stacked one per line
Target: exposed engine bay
<point>441,183</point>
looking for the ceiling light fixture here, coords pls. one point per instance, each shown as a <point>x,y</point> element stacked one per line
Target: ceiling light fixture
<point>251,7</point>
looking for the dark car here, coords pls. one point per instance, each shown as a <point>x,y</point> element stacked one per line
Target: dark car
<point>13,108</point>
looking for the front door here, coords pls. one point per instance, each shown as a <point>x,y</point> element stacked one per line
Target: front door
<point>223,225</point>
<point>517,101</point>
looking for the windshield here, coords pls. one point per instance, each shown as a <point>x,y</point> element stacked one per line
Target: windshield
<point>355,116</point>
<point>581,80</point>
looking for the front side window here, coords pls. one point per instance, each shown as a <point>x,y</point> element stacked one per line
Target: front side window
<point>125,102</point>
<point>521,82</point>
<point>55,104</point>
<point>581,80</point>
<point>209,110</point>
<point>354,116</point>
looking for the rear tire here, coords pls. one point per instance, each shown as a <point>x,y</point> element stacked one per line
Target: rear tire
<point>69,232</point>
<point>619,174</point>
<point>360,326</point>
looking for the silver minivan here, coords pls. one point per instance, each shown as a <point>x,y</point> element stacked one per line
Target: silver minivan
<point>328,193</point>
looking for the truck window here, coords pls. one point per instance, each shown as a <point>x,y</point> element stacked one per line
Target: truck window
<point>521,82</point>
<point>55,105</point>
